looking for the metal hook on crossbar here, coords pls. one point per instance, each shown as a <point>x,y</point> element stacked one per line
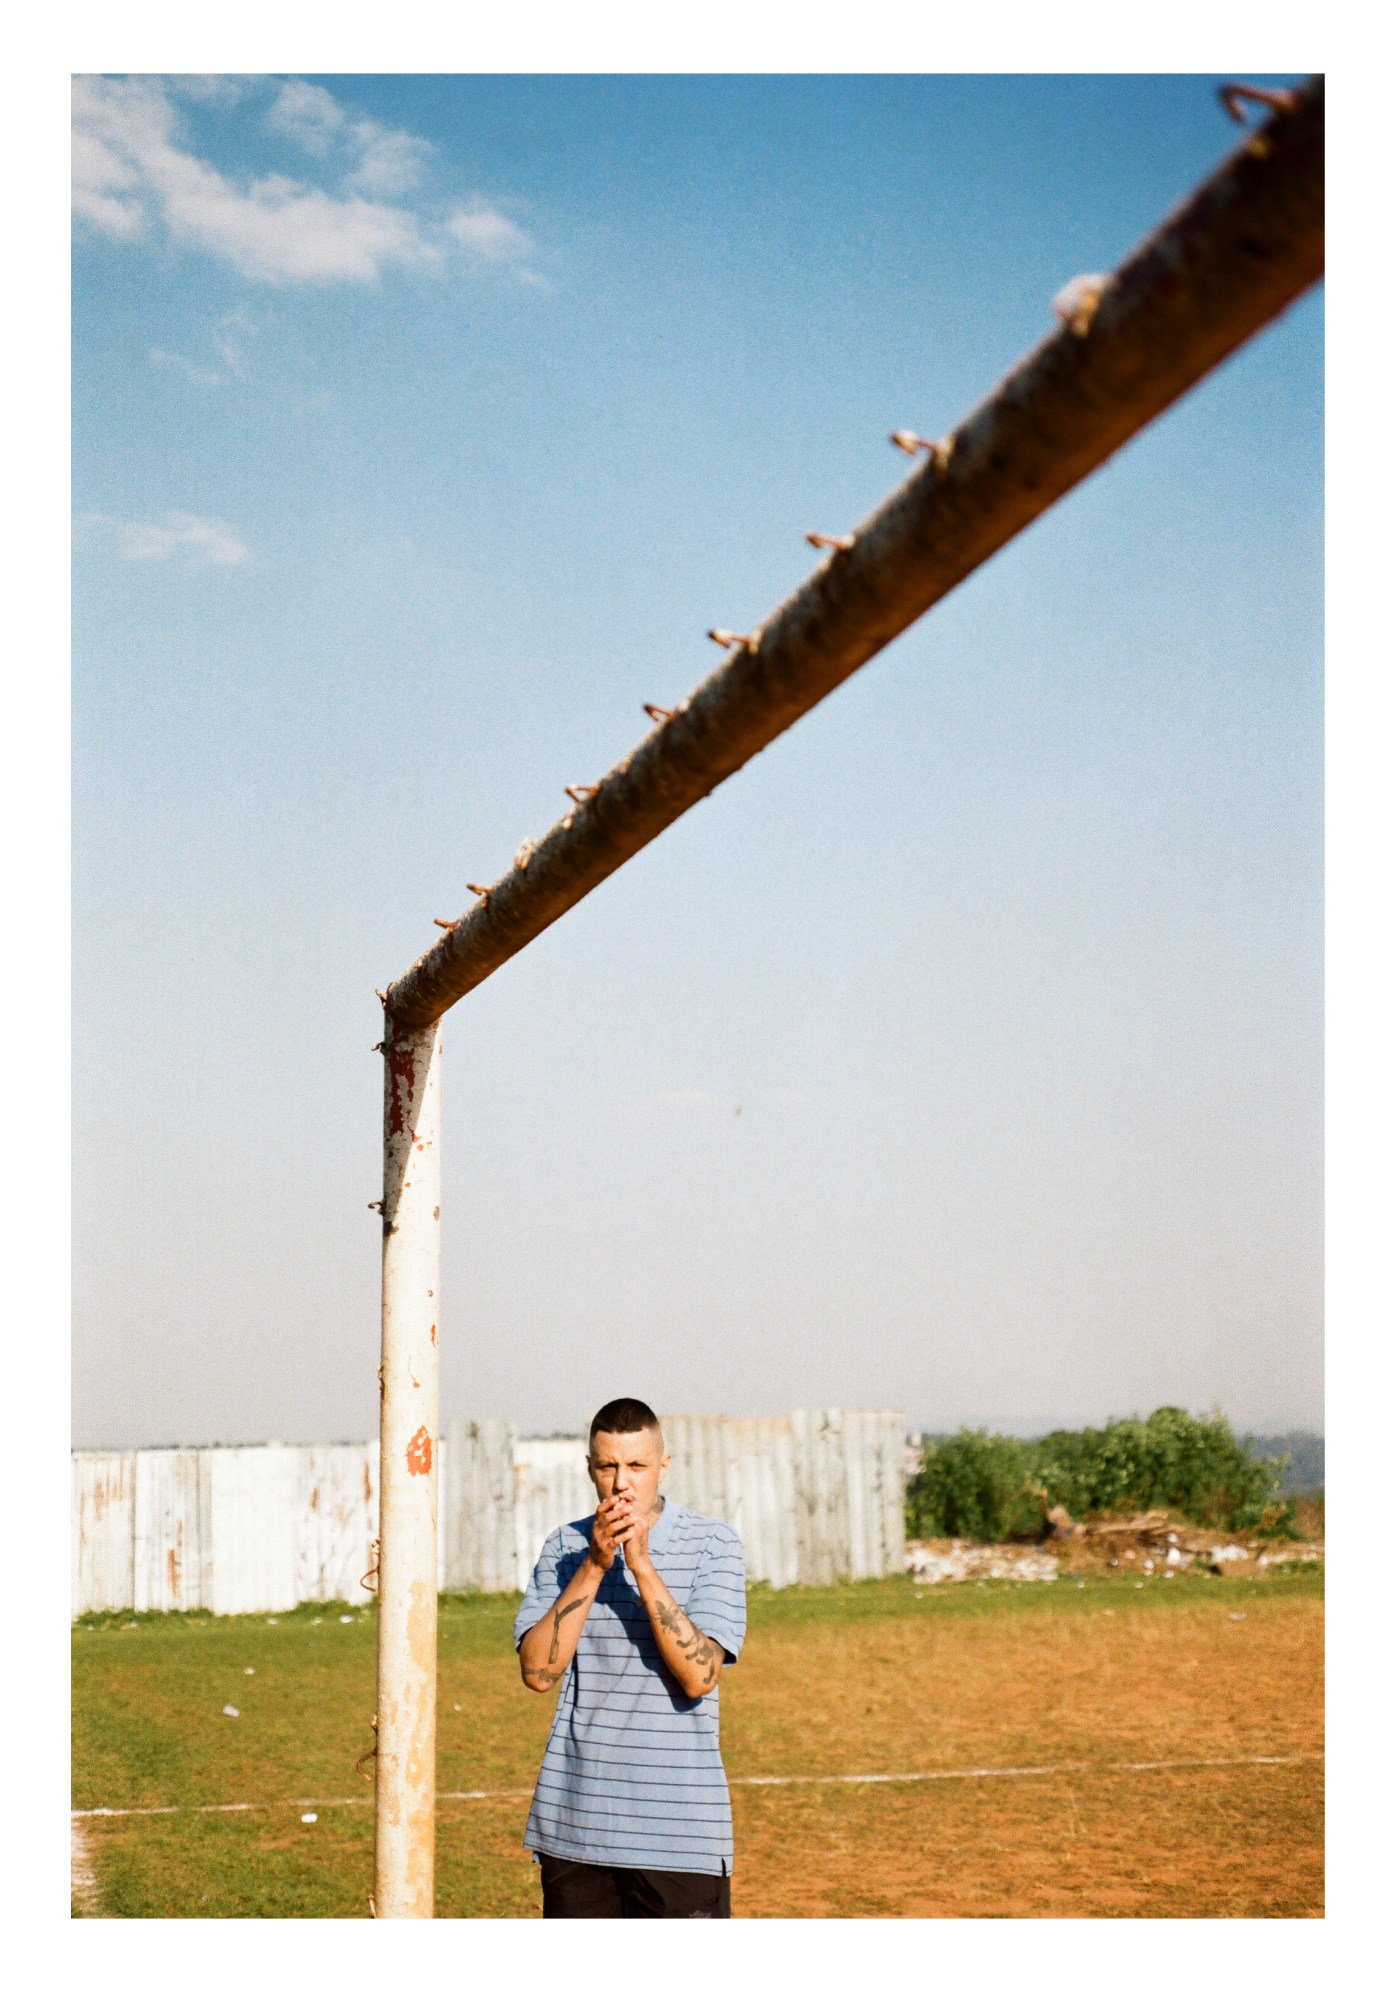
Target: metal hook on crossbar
<point>447,923</point>
<point>830,541</point>
<point>909,442</point>
<point>1077,302</point>
<point>722,637</point>
<point>1234,95</point>
<point>656,713</point>
<point>480,889</point>
<point>580,793</point>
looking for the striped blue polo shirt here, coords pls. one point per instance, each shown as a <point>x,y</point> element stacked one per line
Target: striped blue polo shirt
<point>632,1776</point>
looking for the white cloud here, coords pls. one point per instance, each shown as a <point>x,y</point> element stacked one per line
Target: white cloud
<point>204,89</point>
<point>490,234</point>
<point>389,162</point>
<point>376,159</point>
<point>164,358</point>
<point>133,173</point>
<point>226,345</point>
<point>225,340</point>
<point>195,535</point>
<point>305,113</point>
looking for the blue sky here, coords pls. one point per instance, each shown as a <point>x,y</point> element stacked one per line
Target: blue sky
<point>422,426</point>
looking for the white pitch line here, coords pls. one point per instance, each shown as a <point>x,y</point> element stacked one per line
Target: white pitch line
<point>83,1881</point>
<point>840,1778</point>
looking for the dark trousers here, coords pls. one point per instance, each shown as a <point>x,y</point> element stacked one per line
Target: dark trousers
<point>583,1889</point>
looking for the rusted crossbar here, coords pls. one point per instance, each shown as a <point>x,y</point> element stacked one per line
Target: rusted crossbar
<point>1238,251</point>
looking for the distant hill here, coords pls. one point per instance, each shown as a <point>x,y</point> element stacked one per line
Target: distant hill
<point>1305,1473</point>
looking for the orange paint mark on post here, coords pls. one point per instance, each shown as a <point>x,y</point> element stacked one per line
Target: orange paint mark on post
<point>434,1333</point>
<point>419,1450</point>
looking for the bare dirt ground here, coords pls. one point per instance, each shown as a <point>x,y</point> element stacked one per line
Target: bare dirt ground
<point>869,1679</point>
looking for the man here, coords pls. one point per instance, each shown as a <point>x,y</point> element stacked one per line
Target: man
<point>635,1610</point>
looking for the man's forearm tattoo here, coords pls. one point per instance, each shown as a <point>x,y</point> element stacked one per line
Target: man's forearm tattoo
<point>542,1679</point>
<point>558,1616</point>
<point>690,1641</point>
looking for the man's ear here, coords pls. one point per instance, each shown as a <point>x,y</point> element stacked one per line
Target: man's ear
<point>664,1465</point>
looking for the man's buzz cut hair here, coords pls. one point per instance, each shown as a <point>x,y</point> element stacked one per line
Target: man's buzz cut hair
<point>623,1415</point>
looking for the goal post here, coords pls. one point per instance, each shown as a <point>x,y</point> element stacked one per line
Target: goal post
<point>409,1424</point>
<point>1239,250</point>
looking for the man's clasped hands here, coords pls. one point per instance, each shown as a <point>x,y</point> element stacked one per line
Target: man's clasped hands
<point>620,1524</point>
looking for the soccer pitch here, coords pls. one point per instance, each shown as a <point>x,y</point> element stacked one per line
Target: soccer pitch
<point>1093,1749</point>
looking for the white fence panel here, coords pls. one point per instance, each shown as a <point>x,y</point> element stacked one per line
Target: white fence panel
<point>822,1495</point>
<point>761,1497</point>
<point>104,1531</point>
<point>815,1497</point>
<point>251,1539</point>
<point>863,1532</point>
<point>890,1490</point>
<point>550,1486</point>
<point>477,1507</point>
<point>171,1517</point>
<point>698,1462</point>
<point>336,1521</point>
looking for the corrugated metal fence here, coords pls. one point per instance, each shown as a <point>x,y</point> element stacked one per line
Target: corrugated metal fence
<point>815,1496</point>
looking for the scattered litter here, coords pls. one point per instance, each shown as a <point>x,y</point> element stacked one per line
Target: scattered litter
<point>249,1670</point>
<point>457,1706</point>
<point>228,1709</point>
<point>1146,1544</point>
<point>346,1617</point>
<point>317,1621</point>
<point>963,1562</point>
<point>309,1819</point>
<point>1237,1614</point>
<point>273,1621</point>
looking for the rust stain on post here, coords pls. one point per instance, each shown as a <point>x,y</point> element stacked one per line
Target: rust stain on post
<point>1236,253</point>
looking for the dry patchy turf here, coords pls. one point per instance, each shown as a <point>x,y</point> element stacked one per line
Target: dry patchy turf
<point>867,1678</point>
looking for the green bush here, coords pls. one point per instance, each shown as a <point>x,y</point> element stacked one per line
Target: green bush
<point>988,1487</point>
<point>974,1485</point>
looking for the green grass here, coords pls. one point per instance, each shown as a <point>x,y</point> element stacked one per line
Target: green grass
<point>149,1730</point>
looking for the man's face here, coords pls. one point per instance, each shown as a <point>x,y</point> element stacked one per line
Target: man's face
<point>628,1462</point>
